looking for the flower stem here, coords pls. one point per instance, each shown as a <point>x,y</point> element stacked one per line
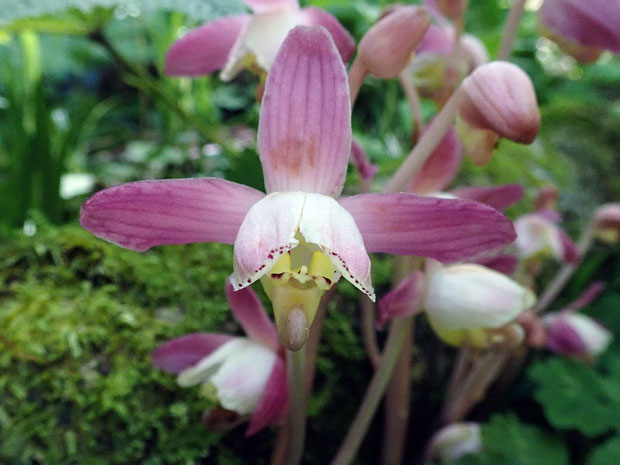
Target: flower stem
<point>369,336</point>
<point>510,30</point>
<point>373,395</point>
<point>414,104</point>
<point>298,404</point>
<point>357,73</point>
<point>425,146</point>
<point>563,276</point>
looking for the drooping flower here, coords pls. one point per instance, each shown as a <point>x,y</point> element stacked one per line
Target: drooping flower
<point>538,235</point>
<point>246,374</point>
<point>576,335</point>
<point>498,101</point>
<point>387,47</point>
<point>466,304</point>
<point>607,223</point>
<point>248,41</point>
<point>298,239</point>
<point>582,29</point>
<point>456,440</point>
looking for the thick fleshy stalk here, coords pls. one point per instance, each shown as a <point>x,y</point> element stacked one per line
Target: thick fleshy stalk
<point>299,404</point>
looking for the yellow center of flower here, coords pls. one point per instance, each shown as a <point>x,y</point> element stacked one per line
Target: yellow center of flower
<point>297,282</point>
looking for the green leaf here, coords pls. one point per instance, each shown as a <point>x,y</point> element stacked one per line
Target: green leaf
<point>575,395</point>
<point>606,454</point>
<point>11,10</point>
<point>507,441</point>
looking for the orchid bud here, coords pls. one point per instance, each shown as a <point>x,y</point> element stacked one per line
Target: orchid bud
<point>539,236</point>
<point>582,29</point>
<point>456,440</point>
<point>576,335</point>
<point>499,97</point>
<point>387,46</point>
<point>468,304</point>
<point>607,223</point>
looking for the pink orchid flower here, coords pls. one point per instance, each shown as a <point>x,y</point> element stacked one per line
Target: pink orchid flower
<point>298,239</point>
<point>539,235</point>
<point>249,41</point>
<point>247,373</point>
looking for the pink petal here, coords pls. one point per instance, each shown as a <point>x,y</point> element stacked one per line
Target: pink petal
<point>304,133</point>
<point>140,215</point>
<point>498,197</point>
<point>178,354</point>
<point>404,300</point>
<point>344,41</point>
<point>273,404</point>
<point>588,296</point>
<point>205,49</point>
<point>444,229</point>
<point>441,167</point>
<point>250,314</point>
<point>260,6</point>
<point>569,248</point>
<point>504,263</point>
<point>364,167</point>
<point>595,23</point>
<point>437,39</point>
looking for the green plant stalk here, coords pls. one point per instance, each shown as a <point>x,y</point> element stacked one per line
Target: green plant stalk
<point>376,388</point>
<point>298,404</point>
<point>511,29</point>
<point>425,146</point>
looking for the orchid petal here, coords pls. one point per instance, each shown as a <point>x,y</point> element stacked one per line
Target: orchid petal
<point>206,367</point>
<point>404,300</point>
<point>442,165</point>
<point>444,229</point>
<point>504,263</point>
<point>178,354</point>
<point>140,215</point>
<point>267,232</point>
<point>498,197</point>
<point>304,133</point>
<point>345,43</point>
<point>273,404</point>
<point>241,379</point>
<point>260,6</point>
<point>250,314</point>
<point>360,160</point>
<point>333,229</point>
<point>206,48</point>
<point>569,248</point>
<point>470,296</point>
<point>595,23</point>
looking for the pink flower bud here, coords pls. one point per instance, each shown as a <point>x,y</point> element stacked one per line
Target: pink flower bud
<point>387,46</point>
<point>607,223</point>
<point>456,440</point>
<point>576,335</point>
<point>582,29</point>
<point>500,97</point>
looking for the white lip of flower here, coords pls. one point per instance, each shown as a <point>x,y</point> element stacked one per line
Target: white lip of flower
<point>262,38</point>
<point>537,235</point>
<point>238,370</point>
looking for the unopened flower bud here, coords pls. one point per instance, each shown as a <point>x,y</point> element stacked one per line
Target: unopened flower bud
<point>607,223</point>
<point>387,46</point>
<point>538,236</point>
<point>499,97</point>
<point>456,440</point>
<point>582,29</point>
<point>576,335</point>
<point>468,304</point>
